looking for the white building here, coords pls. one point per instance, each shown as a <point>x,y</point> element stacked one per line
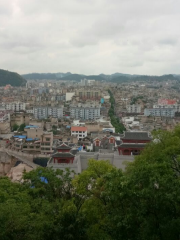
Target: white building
<point>79,132</point>
<point>160,112</point>
<point>69,96</point>
<point>30,110</point>
<point>176,107</point>
<point>14,106</point>
<point>133,108</point>
<point>130,123</point>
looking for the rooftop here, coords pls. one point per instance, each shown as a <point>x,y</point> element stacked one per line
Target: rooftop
<point>132,145</point>
<point>59,154</point>
<point>74,128</point>
<point>136,135</point>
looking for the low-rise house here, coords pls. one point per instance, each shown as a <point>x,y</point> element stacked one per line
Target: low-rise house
<point>79,132</point>
<point>105,142</point>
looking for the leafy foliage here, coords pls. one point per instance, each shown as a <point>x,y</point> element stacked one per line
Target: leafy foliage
<point>15,127</point>
<point>12,78</point>
<point>21,127</point>
<point>119,127</point>
<point>141,203</point>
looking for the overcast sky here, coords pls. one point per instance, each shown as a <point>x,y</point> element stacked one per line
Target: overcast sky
<point>90,36</point>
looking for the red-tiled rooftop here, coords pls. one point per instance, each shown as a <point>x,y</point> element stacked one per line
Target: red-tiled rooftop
<point>74,128</point>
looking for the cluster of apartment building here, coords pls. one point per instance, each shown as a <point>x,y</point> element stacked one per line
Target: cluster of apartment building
<point>68,122</point>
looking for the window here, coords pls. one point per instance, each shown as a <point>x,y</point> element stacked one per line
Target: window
<point>47,139</point>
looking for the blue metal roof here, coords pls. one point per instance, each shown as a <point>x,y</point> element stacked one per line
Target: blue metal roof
<point>20,136</point>
<point>29,139</point>
<point>31,126</point>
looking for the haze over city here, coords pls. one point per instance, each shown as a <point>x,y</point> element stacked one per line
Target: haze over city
<point>90,37</point>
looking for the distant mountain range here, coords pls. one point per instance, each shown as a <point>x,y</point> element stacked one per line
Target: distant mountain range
<point>115,77</point>
<point>12,78</point>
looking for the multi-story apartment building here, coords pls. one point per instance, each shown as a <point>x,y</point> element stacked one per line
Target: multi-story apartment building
<point>135,108</point>
<point>159,112</point>
<point>44,112</point>
<point>35,140</point>
<point>88,94</point>
<point>174,106</point>
<point>19,118</point>
<point>15,106</point>
<point>85,111</point>
<point>46,142</point>
<point>33,131</point>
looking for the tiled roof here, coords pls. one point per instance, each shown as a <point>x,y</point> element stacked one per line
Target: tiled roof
<point>63,146</point>
<point>136,135</point>
<point>74,128</point>
<point>58,154</point>
<point>132,145</point>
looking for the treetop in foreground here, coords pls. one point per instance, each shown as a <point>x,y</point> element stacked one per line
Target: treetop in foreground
<point>141,203</point>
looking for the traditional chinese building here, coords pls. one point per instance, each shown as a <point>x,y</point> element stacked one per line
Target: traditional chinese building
<point>132,143</point>
<point>63,154</point>
<point>136,137</point>
<point>104,143</point>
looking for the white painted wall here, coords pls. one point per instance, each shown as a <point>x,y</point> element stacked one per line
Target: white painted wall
<point>69,96</point>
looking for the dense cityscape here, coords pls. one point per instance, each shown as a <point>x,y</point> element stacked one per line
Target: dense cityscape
<point>61,123</point>
<point>89,120</point>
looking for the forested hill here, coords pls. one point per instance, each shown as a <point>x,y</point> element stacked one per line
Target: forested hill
<point>115,77</point>
<point>12,78</point>
<point>61,76</point>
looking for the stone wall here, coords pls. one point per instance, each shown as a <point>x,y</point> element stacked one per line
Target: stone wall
<point>6,163</point>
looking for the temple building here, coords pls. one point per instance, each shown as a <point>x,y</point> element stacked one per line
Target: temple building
<point>132,143</point>
<point>63,155</point>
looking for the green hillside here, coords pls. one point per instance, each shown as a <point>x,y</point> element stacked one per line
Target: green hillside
<point>12,78</point>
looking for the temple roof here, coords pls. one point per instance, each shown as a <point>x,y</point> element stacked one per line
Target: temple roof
<point>61,154</point>
<point>63,146</point>
<point>136,136</point>
<point>132,145</point>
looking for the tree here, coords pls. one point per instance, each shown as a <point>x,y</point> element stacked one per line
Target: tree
<point>143,203</point>
<point>15,127</point>
<point>21,127</point>
<point>119,127</point>
<point>90,186</point>
<point>43,207</point>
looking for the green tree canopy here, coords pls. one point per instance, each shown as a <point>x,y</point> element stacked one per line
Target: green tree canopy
<point>103,202</point>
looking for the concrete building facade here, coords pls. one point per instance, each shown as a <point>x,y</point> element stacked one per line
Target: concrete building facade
<point>79,132</point>
<point>133,108</point>
<point>45,112</point>
<point>160,112</point>
<point>85,111</point>
<point>15,106</point>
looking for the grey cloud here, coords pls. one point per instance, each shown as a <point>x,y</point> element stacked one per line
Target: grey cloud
<point>169,41</point>
<point>90,36</point>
